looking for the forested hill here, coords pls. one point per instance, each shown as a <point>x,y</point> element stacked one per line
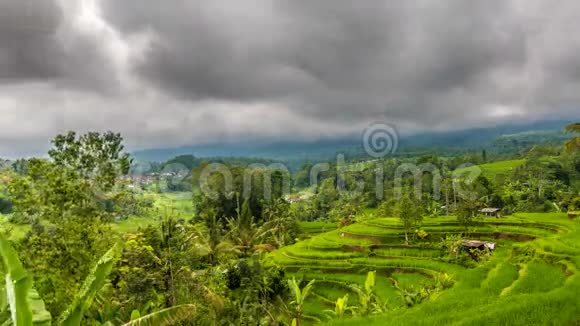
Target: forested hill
<point>507,137</point>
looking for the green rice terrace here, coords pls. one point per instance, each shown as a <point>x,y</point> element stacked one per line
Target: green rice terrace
<point>532,276</point>
<point>496,170</point>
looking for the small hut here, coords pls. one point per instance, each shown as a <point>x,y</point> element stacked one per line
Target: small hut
<point>491,212</point>
<point>478,244</point>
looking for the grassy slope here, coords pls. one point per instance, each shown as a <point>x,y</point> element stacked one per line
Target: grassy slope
<point>504,290</point>
<point>495,170</point>
<point>312,228</point>
<point>177,204</point>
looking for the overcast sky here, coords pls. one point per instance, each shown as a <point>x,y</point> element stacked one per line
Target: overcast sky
<point>167,73</point>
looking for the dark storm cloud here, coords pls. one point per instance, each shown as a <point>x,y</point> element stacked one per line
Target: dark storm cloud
<point>328,57</point>
<point>51,40</point>
<point>27,39</point>
<point>178,72</point>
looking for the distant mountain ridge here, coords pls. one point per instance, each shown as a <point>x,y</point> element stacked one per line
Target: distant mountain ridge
<point>324,149</point>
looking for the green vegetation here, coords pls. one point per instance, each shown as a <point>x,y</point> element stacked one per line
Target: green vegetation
<point>284,252</point>
<point>480,287</point>
<point>495,170</point>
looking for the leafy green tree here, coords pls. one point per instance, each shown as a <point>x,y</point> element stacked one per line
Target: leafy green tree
<point>281,226</point>
<point>302,177</point>
<point>20,166</point>
<point>387,208</point>
<point>139,276</point>
<point>50,193</point>
<point>303,211</point>
<point>93,156</point>
<point>243,232</point>
<point>410,213</point>
<point>325,198</point>
<point>467,211</point>
<point>59,255</point>
<point>573,144</point>
<point>188,161</point>
<point>345,210</point>
<point>63,200</point>
<point>208,240</point>
<point>226,200</point>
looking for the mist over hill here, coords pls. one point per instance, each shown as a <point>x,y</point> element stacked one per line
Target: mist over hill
<point>512,134</point>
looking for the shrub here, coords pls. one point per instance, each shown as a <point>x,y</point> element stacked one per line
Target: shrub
<point>422,234</point>
<point>443,281</point>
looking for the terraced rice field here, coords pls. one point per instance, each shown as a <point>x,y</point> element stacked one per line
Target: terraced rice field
<point>311,228</point>
<point>531,278</point>
<point>497,170</point>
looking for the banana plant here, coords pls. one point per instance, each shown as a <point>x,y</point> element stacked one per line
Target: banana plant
<point>27,308</point>
<point>25,305</point>
<point>93,283</point>
<point>340,307</point>
<point>369,302</point>
<point>23,302</point>
<point>300,296</point>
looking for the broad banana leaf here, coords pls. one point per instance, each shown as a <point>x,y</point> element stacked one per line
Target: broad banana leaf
<point>93,283</point>
<point>165,317</point>
<point>26,306</point>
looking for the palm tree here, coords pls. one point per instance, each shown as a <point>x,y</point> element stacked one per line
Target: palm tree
<point>574,143</point>
<point>210,243</point>
<point>243,231</point>
<point>244,236</point>
<point>299,298</point>
<point>278,229</point>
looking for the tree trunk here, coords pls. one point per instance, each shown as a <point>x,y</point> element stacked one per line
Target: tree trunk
<point>447,201</point>
<point>454,196</point>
